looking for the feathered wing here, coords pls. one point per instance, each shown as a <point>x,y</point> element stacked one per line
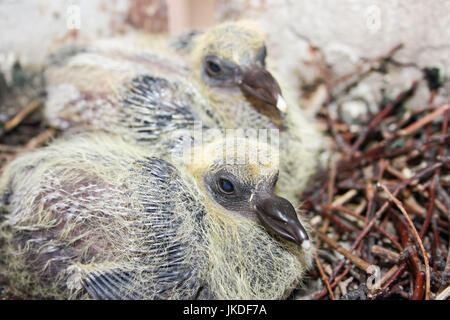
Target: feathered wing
<point>152,109</point>
<point>102,220</point>
<point>132,91</point>
<point>168,239</point>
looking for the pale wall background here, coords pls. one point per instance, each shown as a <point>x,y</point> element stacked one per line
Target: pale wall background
<point>347,32</point>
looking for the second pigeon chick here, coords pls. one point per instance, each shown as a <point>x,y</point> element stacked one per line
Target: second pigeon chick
<point>96,216</point>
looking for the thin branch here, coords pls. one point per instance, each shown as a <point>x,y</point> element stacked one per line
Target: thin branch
<point>360,263</point>
<point>418,239</point>
<point>324,277</point>
<point>18,118</point>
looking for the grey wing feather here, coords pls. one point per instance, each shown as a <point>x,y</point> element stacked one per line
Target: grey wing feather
<point>164,261</point>
<point>111,285</point>
<point>153,107</point>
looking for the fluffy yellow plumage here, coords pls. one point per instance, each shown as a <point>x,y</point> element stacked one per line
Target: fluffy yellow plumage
<point>96,215</point>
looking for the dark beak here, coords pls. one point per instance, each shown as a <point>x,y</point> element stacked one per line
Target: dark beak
<point>257,83</point>
<point>278,215</point>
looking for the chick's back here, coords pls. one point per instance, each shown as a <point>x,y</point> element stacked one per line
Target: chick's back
<point>100,212</point>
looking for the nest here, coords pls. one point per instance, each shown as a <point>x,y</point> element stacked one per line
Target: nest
<point>380,208</point>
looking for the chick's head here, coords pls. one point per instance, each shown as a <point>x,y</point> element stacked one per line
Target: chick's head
<point>238,177</point>
<point>230,60</point>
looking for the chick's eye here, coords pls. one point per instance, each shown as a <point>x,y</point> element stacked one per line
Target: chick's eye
<point>213,67</point>
<point>226,186</point>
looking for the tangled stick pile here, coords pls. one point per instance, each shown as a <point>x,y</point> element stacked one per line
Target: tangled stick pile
<point>381,208</point>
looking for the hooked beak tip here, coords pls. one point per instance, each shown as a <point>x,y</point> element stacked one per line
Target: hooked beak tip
<point>279,216</point>
<point>258,83</point>
<point>281,104</point>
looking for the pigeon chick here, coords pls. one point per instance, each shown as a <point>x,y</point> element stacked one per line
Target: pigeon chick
<point>98,217</point>
<point>235,74</point>
<point>144,91</point>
